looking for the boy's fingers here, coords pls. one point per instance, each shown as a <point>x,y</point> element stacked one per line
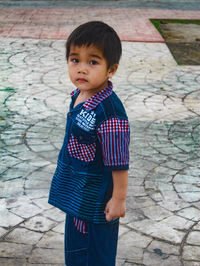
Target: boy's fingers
<point>108,217</point>
<point>106,209</point>
<point>111,214</point>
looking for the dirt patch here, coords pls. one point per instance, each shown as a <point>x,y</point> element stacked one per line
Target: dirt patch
<point>182,38</point>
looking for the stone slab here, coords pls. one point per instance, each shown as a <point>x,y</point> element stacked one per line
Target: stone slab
<point>191,253</point>
<point>39,223</point>
<point>13,262</point>
<point>23,236</point>
<point>50,256</point>
<point>9,250</point>
<point>142,4</point>
<point>132,24</point>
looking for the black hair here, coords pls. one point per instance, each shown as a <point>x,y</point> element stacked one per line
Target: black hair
<point>100,35</point>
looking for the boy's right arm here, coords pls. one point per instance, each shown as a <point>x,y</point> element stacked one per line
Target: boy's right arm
<point>116,206</point>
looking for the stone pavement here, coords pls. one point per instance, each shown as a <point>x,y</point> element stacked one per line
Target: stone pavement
<point>162,225</point>
<point>114,4</point>
<point>131,24</point>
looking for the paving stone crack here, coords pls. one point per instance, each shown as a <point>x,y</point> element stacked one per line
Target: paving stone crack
<point>184,241</point>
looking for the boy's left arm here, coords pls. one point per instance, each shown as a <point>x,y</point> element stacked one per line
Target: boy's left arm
<point>116,206</point>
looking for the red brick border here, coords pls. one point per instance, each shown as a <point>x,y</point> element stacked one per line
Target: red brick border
<point>131,24</point>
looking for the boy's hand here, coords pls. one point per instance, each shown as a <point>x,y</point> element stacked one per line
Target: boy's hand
<point>115,208</point>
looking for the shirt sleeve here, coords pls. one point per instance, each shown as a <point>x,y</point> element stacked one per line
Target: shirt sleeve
<point>114,136</point>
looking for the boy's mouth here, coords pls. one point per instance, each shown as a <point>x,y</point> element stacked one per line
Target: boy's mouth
<point>81,80</point>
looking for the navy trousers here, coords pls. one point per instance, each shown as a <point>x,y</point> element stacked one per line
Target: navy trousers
<point>88,244</point>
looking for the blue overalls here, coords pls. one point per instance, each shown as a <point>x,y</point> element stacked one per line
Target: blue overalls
<point>82,183</point>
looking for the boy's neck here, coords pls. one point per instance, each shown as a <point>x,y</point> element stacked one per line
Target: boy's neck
<point>85,95</point>
<point>88,94</point>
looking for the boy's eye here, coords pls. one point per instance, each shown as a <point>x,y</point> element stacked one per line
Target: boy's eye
<point>74,60</point>
<point>93,62</point>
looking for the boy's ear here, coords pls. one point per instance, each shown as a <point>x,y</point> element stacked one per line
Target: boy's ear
<point>112,70</point>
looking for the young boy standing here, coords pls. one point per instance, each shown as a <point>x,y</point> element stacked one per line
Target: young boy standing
<point>90,181</point>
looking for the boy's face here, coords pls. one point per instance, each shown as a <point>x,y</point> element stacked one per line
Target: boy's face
<point>88,68</point>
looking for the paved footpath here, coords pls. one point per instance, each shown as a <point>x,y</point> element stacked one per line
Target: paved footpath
<point>162,225</point>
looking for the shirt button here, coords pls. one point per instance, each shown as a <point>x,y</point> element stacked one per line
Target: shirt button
<point>80,137</point>
<point>69,114</point>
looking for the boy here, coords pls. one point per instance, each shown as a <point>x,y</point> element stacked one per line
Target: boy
<point>90,182</point>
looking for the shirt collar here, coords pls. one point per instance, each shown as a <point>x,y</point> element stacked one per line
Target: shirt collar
<point>93,101</point>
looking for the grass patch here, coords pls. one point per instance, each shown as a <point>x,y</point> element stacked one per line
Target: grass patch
<point>182,40</point>
<point>157,22</point>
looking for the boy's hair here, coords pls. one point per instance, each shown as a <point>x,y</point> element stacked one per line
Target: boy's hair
<point>99,34</point>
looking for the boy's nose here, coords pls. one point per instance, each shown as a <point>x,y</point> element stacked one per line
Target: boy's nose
<point>82,68</point>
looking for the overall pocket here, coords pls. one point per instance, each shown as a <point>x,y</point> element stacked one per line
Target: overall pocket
<point>82,144</point>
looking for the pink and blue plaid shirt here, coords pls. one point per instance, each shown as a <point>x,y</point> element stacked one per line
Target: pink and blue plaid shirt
<point>96,142</point>
<point>113,134</point>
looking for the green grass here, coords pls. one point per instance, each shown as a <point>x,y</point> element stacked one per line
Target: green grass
<point>157,22</point>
